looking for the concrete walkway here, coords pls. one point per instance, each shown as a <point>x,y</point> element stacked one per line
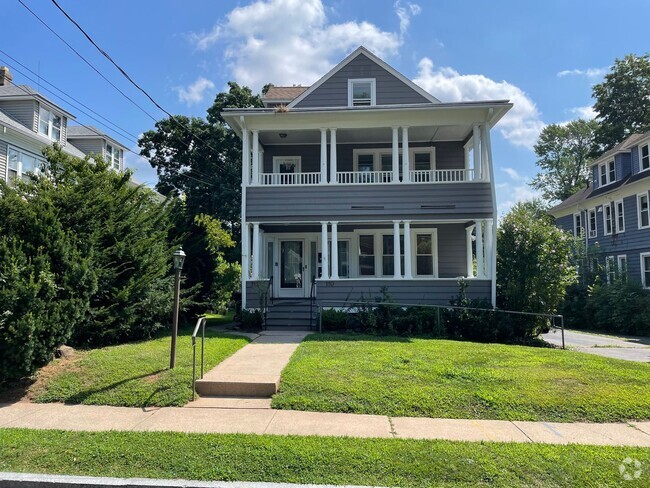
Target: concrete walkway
<point>630,348</point>
<point>288,422</point>
<point>254,370</point>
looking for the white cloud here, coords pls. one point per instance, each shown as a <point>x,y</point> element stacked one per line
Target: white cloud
<point>513,174</point>
<point>405,13</point>
<point>521,125</point>
<point>195,92</point>
<point>291,41</point>
<point>587,73</point>
<point>586,112</point>
<point>508,195</point>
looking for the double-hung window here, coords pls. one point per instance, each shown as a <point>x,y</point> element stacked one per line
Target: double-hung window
<point>49,124</point>
<point>22,163</point>
<point>644,157</point>
<point>610,269</point>
<point>645,269</point>
<point>578,228</point>
<point>607,172</point>
<point>367,255</point>
<point>643,211</point>
<point>113,156</point>
<point>607,219</point>
<point>620,216</point>
<point>388,254</point>
<point>362,92</point>
<point>424,254</point>
<point>622,266</point>
<point>591,222</point>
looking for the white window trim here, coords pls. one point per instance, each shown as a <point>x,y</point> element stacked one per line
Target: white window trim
<point>373,90</point>
<point>638,210</point>
<point>120,156</point>
<point>49,123</point>
<point>608,180</point>
<point>647,144</point>
<point>619,264</point>
<point>277,159</point>
<point>641,256</point>
<point>20,163</point>
<point>575,227</point>
<point>593,233</point>
<point>616,216</point>
<point>610,267</point>
<point>611,215</point>
<point>377,153</point>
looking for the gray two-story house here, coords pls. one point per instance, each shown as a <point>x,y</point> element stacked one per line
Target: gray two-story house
<point>612,215</point>
<point>29,121</point>
<point>364,181</point>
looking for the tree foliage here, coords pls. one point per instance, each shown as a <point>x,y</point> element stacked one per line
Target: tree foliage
<point>564,152</point>
<point>623,100</point>
<point>533,262</point>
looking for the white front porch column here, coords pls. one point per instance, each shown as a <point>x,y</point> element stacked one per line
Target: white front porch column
<point>256,250</point>
<point>256,158</point>
<point>406,164</point>
<point>324,260</point>
<point>470,261</point>
<point>323,156</point>
<point>245,254</point>
<point>397,253</point>
<point>335,251</point>
<point>395,155</point>
<point>480,269</point>
<point>476,152</point>
<point>484,153</point>
<point>466,157</point>
<point>408,274</point>
<point>488,248</point>
<point>333,163</point>
<point>246,157</point>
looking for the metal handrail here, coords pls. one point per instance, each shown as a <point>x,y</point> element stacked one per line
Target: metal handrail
<point>312,299</point>
<point>267,295</point>
<point>447,307</point>
<point>199,324</point>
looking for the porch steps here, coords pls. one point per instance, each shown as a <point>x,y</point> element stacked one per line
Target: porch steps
<point>291,313</point>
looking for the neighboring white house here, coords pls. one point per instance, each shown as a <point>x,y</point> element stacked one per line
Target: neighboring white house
<point>29,122</point>
<point>364,181</point>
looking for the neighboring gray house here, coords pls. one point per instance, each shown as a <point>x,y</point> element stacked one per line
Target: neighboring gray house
<point>613,212</point>
<point>29,122</point>
<point>362,181</point>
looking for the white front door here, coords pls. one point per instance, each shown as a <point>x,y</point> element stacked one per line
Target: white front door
<point>293,279</point>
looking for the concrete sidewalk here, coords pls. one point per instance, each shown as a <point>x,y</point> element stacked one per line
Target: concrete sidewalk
<point>289,422</point>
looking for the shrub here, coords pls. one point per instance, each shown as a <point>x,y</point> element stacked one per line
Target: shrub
<point>252,319</point>
<point>622,307</point>
<point>334,320</point>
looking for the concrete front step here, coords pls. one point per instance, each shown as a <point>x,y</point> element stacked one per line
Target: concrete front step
<point>259,386</point>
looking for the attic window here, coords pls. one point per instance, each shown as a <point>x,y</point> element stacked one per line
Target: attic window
<point>362,92</point>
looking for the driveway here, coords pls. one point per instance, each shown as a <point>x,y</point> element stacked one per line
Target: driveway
<point>629,348</point>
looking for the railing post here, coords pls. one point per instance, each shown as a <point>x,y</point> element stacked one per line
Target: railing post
<point>202,347</point>
<point>320,319</point>
<point>193,368</point>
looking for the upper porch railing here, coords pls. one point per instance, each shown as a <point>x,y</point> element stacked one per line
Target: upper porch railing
<point>369,177</point>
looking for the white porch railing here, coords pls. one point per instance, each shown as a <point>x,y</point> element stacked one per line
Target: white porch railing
<point>289,178</point>
<point>441,175</point>
<point>364,177</point>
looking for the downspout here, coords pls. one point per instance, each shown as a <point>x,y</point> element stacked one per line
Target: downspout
<point>494,209</point>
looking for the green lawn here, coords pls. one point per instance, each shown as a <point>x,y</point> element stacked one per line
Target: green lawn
<point>133,375</point>
<point>452,379</point>
<point>383,462</point>
<point>219,319</point>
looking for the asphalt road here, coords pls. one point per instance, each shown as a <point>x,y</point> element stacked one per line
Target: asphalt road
<point>620,347</point>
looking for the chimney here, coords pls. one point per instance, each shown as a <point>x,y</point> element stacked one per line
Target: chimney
<point>5,76</point>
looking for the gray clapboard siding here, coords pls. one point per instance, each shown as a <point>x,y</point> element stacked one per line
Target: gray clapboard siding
<point>634,159</point>
<point>452,251</point>
<point>334,92</point>
<point>3,160</point>
<point>24,111</point>
<point>88,146</point>
<point>368,202</point>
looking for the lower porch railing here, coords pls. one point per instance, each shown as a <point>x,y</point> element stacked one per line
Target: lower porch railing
<point>369,177</point>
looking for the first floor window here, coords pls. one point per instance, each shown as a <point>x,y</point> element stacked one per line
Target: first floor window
<point>645,270</point>
<point>622,267</point>
<point>344,257</point>
<point>593,230</point>
<point>388,254</point>
<point>578,229</point>
<point>644,212</point>
<point>620,216</point>
<point>22,163</point>
<point>367,255</point>
<point>644,160</point>
<point>607,219</point>
<point>424,254</point>
<point>610,269</point>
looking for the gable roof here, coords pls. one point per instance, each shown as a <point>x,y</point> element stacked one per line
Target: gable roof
<point>90,132</point>
<point>26,92</point>
<point>356,53</point>
<point>283,93</point>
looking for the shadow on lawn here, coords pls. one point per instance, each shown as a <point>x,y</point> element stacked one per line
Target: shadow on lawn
<point>350,337</point>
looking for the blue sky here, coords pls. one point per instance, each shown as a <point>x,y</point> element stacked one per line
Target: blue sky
<point>545,56</point>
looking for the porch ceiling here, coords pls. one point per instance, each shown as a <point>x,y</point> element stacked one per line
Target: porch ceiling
<point>373,135</point>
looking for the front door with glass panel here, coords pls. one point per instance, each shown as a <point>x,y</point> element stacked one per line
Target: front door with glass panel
<point>292,268</point>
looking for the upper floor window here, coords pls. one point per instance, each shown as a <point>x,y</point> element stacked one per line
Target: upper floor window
<point>645,269</point>
<point>113,156</point>
<point>591,222</point>
<point>607,172</point>
<point>644,157</point>
<point>362,92</point>
<point>49,124</point>
<point>620,216</point>
<point>643,211</point>
<point>22,163</point>
<point>607,219</point>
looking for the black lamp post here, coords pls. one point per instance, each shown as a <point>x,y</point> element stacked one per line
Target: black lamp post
<point>178,258</point>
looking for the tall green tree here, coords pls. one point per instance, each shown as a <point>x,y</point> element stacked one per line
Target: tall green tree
<point>623,100</point>
<point>563,154</point>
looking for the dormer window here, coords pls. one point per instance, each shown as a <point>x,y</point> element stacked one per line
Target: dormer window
<point>113,156</point>
<point>607,172</point>
<point>49,124</point>
<point>362,92</point>
<point>644,157</point>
